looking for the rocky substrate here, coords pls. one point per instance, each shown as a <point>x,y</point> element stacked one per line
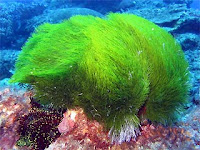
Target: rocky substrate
<point>79,132</point>
<point>7,61</point>
<point>14,102</point>
<point>86,134</point>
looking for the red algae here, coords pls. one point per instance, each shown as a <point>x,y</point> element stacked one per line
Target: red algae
<point>89,134</point>
<point>68,122</point>
<point>84,134</point>
<point>12,105</point>
<point>79,132</point>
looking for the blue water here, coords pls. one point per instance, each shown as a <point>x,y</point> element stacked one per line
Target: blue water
<point>196,4</point>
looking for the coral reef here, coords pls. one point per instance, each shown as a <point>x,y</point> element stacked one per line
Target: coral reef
<point>18,18</point>
<point>102,6</point>
<point>188,2</point>
<point>180,20</point>
<point>13,20</point>
<point>58,15</point>
<point>7,61</point>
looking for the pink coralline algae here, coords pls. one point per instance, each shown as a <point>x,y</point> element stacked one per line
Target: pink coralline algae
<point>11,107</point>
<point>78,132</point>
<point>68,122</point>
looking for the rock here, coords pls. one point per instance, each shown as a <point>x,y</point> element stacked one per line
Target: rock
<point>160,13</point>
<point>13,17</point>
<point>102,6</point>
<point>190,123</point>
<point>14,103</point>
<point>90,132</point>
<point>126,4</point>
<point>7,61</point>
<point>68,122</point>
<point>188,22</point>
<point>180,19</point>
<point>195,95</point>
<point>196,99</point>
<point>189,41</point>
<point>58,15</point>
<point>188,2</point>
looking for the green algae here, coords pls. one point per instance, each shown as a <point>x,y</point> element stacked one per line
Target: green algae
<point>110,67</point>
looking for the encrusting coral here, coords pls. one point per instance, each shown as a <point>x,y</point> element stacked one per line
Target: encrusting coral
<point>110,67</point>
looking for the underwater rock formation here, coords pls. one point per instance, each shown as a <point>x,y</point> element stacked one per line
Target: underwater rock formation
<point>58,15</point>
<point>68,122</point>
<point>7,61</point>
<point>85,134</point>
<point>96,64</point>
<point>102,6</point>
<point>180,20</point>
<point>188,2</point>
<point>191,124</point>
<point>88,134</point>
<point>12,106</point>
<point>18,21</point>
<point>13,21</point>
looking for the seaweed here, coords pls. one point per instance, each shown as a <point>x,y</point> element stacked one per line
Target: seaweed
<point>110,67</point>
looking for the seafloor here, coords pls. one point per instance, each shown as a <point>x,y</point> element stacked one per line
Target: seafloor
<point>18,19</point>
<point>84,134</point>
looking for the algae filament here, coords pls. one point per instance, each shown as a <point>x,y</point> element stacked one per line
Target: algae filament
<point>110,67</point>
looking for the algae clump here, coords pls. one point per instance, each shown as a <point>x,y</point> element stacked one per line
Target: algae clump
<point>110,67</point>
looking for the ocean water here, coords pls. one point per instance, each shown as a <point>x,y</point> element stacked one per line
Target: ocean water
<point>195,4</point>
<point>41,116</point>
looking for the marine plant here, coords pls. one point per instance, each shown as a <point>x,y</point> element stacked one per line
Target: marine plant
<point>110,67</point>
